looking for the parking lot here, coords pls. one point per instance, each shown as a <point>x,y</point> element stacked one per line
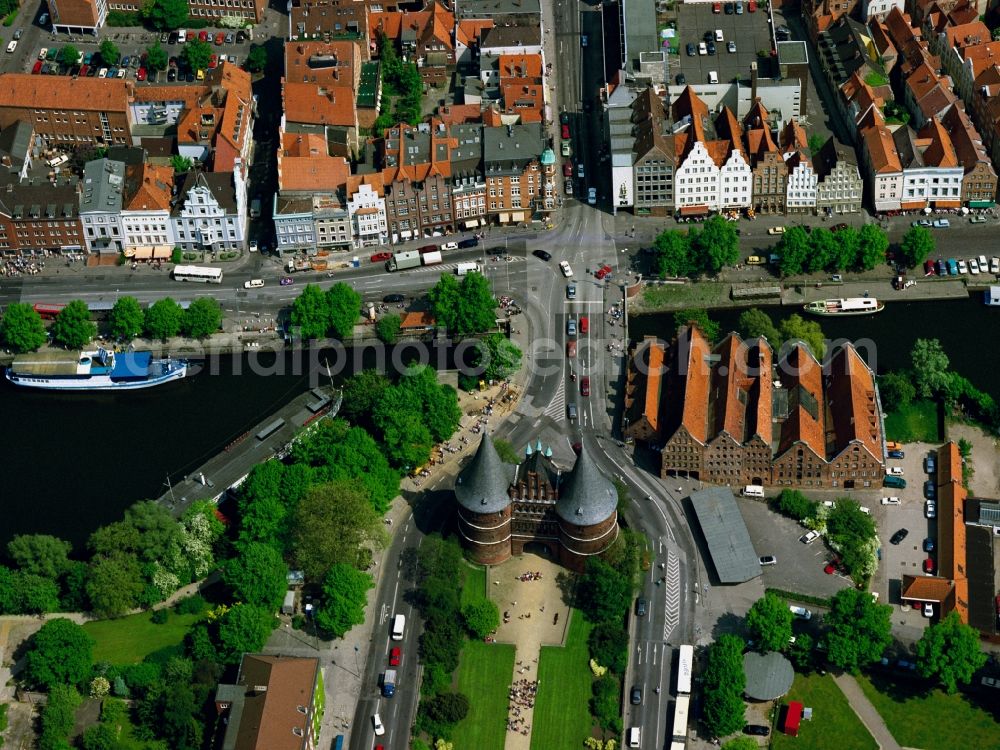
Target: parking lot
<point>750,31</point>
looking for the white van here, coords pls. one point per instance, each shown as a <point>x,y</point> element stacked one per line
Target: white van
<point>753,490</point>
<point>58,161</point>
<point>713,77</point>
<point>182,36</point>
<point>253,284</point>
<point>12,46</point>
<point>398,627</point>
<point>465,268</point>
<point>633,737</point>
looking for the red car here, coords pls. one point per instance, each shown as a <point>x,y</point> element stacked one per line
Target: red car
<point>571,349</point>
<point>752,6</point>
<point>36,68</point>
<point>567,166</point>
<point>603,271</point>
<point>220,39</point>
<point>830,569</point>
<point>585,385</point>
<point>565,132</point>
<point>929,268</point>
<point>395,655</point>
<point>929,566</point>
<point>716,7</point>
<point>379,257</point>
<point>584,324</point>
<point>203,36</point>
<point>84,69</point>
<point>213,61</point>
<point>140,74</point>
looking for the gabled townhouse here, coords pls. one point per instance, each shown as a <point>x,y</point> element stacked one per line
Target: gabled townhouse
<point>416,168</point>
<point>334,64</point>
<point>145,214</point>
<point>65,111</point>
<point>819,15</point>
<point>880,165</point>
<point>711,174</point>
<point>802,180</point>
<point>521,86</point>
<point>979,185</point>
<point>877,10</point>
<point>932,176</point>
<point>840,188</point>
<point>653,156</point>
<point>920,9</point>
<point>209,211</point>
<point>422,37</point>
<point>965,64</point>
<point>770,173</point>
<point>468,181</point>
<point>942,34</point>
<point>520,172</point>
<point>324,110</point>
<point>366,207</point>
<point>884,46</point>
<point>911,47</point>
<point>856,99</point>
<point>927,94</point>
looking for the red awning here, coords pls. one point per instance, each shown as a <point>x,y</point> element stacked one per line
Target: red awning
<point>793,717</point>
<point>694,210</point>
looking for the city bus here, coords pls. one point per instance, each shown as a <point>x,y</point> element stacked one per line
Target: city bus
<point>48,311</point>
<point>203,274</point>
<point>685,666</point>
<point>680,728</point>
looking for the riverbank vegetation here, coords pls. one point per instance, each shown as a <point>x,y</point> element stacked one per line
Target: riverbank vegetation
<point>754,323</point>
<point>699,251</point>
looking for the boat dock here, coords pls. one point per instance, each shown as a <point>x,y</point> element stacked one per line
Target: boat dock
<point>272,437</point>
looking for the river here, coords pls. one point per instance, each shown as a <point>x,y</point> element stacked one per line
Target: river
<point>966,328</point>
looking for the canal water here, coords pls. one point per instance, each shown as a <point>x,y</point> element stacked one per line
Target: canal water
<point>71,462</point>
<point>968,330</point>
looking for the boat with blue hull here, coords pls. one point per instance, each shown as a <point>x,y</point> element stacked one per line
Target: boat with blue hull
<point>100,370</point>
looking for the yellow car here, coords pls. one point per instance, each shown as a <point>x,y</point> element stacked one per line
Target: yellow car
<point>565,148</point>
<point>755,260</point>
<point>776,230</point>
<point>201,75</point>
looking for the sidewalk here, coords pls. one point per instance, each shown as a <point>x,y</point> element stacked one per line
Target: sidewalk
<point>866,712</point>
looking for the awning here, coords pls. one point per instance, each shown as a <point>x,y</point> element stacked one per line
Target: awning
<point>519,216</point>
<point>162,251</point>
<point>693,210</point>
<point>914,206</point>
<point>140,253</point>
<point>406,234</point>
<point>981,204</point>
<point>472,224</point>
<point>947,204</point>
<point>503,218</point>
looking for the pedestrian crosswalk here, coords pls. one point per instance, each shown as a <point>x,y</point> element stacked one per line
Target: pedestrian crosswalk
<point>672,595</point>
<point>556,410</point>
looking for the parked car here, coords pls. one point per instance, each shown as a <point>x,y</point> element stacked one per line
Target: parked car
<point>801,612</point>
<point>567,169</point>
<point>730,46</point>
<point>977,219</point>
<point>929,268</point>
<point>449,246</point>
<point>603,271</point>
<point>768,560</point>
<point>585,385</point>
<point>756,260</point>
<point>809,537</point>
<point>568,186</point>
<point>928,545</point>
<point>220,39</point>
<point>541,254</point>
<point>929,566</point>
<point>230,38</point>
<point>776,230</point>
<point>592,196</point>
<point>380,257</point>
<point>899,536</point>
<point>681,79</point>
<point>571,291</point>
<point>584,324</point>
<point>990,682</point>
<point>895,471</point>
<point>941,223</point>
<point>897,454</point>
<point>691,50</point>
<point>567,271</point>
<point>928,609</point>
<point>930,463</point>
<point>571,326</point>
<point>930,490</point>
<point>758,730</point>
<point>467,243</point>
<point>890,500</point>
<point>930,509</point>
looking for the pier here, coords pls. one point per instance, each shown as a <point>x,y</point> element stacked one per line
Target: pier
<point>273,436</point>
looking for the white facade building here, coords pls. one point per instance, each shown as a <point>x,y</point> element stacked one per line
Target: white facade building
<point>700,182</point>
<point>801,190</point>
<point>880,9</point>
<point>101,206</point>
<point>369,224</point>
<point>211,214</point>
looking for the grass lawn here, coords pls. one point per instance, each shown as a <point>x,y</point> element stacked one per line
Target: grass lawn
<point>915,422</point>
<point>931,720</point>
<point>676,296</point>
<point>474,588</point>
<point>562,715</point>
<point>834,725</point>
<point>129,640</point>
<point>484,674</point>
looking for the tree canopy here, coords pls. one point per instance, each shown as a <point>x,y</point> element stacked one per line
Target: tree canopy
<point>114,584</point>
<point>698,317</point>
<point>464,307</point>
<point>872,244</point>
<point>387,328</point>
<point>715,245</point>
<point>808,331</point>
<point>604,593</point>
<point>156,56</point>
<point>311,313</point>
<point>60,653</point>
<point>257,575</point>
<point>345,596</point>
<point>498,356</point>
<point>344,306</point>
<point>917,245</point>
<point>202,318</point>
<point>723,683</point>
<point>770,621</point>
<point>21,329</point>
<point>68,55</point>
<point>163,319</point>
<point>754,323</point>
<point>256,58</point>
<point>165,15</point>
<point>41,554</point>
<point>896,389</point>
<point>196,53</point>
<point>931,367</point>
<point>481,617</point>
<point>859,629</point>
<point>72,327</point>
<point>109,52</point>
<point>949,652</point>
<point>245,628</point>
<point>126,318</point>
<point>673,254</point>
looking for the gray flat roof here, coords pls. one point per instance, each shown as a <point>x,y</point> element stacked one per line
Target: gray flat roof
<point>750,31</point>
<point>769,675</point>
<point>726,534</point>
<point>794,52</point>
<point>640,29</point>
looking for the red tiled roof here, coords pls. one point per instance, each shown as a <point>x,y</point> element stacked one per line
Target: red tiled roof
<point>373,180</point>
<point>926,588</point>
<point>651,404</point>
<point>422,319</point>
<point>697,382</point>
<point>881,149</point>
<point>806,421</point>
<point>851,393</point>
<point>319,105</point>
<point>940,152</point>
<point>26,91</point>
<point>967,34</point>
<point>153,190</point>
<point>345,72</point>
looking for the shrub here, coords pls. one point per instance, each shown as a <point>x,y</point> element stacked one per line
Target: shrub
<point>604,703</point>
<point>794,504</point>
<point>191,605</point>
<point>159,616</point>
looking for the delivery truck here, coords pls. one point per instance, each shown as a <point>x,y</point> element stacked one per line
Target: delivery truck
<point>464,268</point>
<point>298,265</point>
<point>389,683</point>
<point>412,259</point>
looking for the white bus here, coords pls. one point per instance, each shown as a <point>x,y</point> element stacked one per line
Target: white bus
<point>680,729</point>
<point>685,666</point>
<point>198,273</point>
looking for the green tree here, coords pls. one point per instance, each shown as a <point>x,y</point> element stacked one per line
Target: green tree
<point>311,313</point>
<point>793,250</point>
<point>605,703</point>
<point>21,329</point>
<point>114,584</point>
<point>816,143</point>
<point>256,59</point>
<point>345,596</point>
<point>180,164</point>
<point>673,254</point>
<point>498,356</point>
<point>68,55</point>
<point>808,331</point>
<point>770,621</point>
<point>58,717</point>
<point>196,53</point>
<point>872,244</point>
<point>244,628</point>
<point>35,594</point>
<point>802,652</point>
<point>930,367</point>
<point>723,683</point>
<point>824,246</point>
<point>608,646</point>
<point>896,390</point>
<point>858,629</point>
<point>156,56</point>
<point>715,246</point>
<point>109,52</point>
<point>844,251</point>
<point>257,576</point>
<point>165,15</point>
<point>126,318</point>
<point>464,307</point>
<point>698,317</point>
<point>481,618</point>
<point>362,391</point>
<point>100,737</point>
<point>344,305</point>
<point>40,554</point>
<point>332,523</point>
<point>387,328</point>
<point>794,504</point>
<point>917,245</point>
<point>202,318</point>
<point>72,327</point>
<point>604,593</point>
<point>157,530</point>
<point>60,653</point>
<point>949,652</point>
<point>163,319</point>
<point>437,403</point>
<point>754,323</point>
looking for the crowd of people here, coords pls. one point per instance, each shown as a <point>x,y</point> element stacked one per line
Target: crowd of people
<point>21,266</point>
<point>522,699</point>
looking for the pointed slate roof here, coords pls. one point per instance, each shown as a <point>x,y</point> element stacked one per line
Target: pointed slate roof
<point>481,487</point>
<point>586,496</point>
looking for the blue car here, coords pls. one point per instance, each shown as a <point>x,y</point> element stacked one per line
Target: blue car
<point>896,454</point>
<point>928,545</point>
<point>952,267</point>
